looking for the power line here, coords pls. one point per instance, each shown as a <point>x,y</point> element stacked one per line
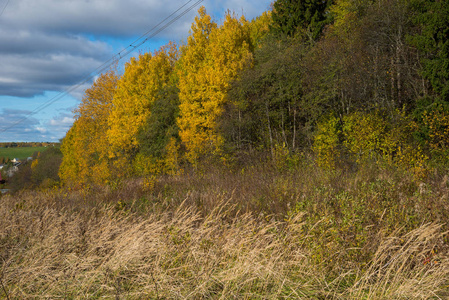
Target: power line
<point>1,13</point>
<point>117,57</point>
<point>122,54</point>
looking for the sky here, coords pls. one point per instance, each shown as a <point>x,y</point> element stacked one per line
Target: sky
<point>48,48</point>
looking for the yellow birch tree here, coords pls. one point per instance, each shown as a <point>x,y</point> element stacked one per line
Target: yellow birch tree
<point>71,165</point>
<point>137,90</point>
<point>211,59</point>
<point>85,147</point>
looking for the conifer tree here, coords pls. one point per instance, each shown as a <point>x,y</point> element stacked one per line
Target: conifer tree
<point>433,41</point>
<point>306,17</point>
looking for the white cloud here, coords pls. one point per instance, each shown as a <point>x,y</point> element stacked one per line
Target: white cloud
<point>53,44</point>
<point>93,17</point>
<point>18,125</point>
<point>50,45</point>
<point>59,125</point>
<point>30,129</point>
<point>62,122</point>
<point>41,129</point>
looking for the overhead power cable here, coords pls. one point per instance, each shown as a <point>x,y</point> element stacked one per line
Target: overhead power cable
<point>1,13</point>
<point>117,57</point>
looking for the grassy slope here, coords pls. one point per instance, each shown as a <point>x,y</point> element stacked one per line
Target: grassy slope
<point>263,232</point>
<point>20,152</point>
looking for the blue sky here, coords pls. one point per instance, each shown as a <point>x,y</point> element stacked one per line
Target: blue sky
<point>47,47</point>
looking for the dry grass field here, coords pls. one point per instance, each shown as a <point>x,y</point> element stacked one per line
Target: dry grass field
<point>256,233</point>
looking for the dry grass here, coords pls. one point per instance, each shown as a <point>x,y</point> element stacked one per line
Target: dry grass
<point>406,267</point>
<point>223,237</point>
<point>52,254</point>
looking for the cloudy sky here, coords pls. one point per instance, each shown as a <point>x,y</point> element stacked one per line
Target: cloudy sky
<point>48,47</point>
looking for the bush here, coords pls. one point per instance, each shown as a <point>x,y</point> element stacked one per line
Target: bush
<point>367,138</point>
<point>41,172</point>
<point>326,142</point>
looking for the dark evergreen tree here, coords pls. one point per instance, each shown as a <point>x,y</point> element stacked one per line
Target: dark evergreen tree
<point>161,124</point>
<point>433,41</point>
<point>307,17</point>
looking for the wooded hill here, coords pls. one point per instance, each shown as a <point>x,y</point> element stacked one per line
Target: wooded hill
<point>348,81</point>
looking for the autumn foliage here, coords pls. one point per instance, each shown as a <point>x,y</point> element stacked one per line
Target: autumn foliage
<point>341,80</point>
<point>85,146</point>
<point>299,155</point>
<point>211,59</point>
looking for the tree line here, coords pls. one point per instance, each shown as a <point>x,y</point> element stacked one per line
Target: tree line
<point>26,144</point>
<point>348,80</point>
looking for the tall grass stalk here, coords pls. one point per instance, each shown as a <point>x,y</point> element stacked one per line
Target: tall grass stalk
<point>249,234</point>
